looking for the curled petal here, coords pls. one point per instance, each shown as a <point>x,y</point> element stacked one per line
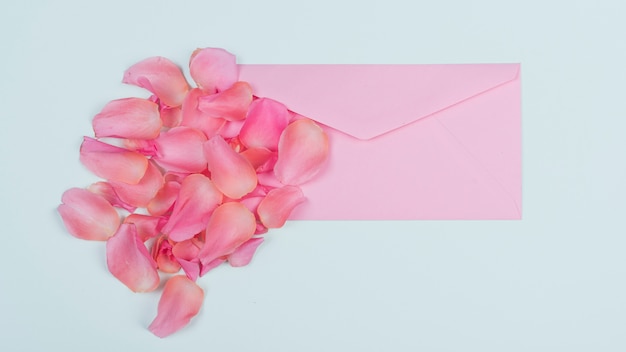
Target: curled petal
<point>275,208</point>
<point>181,300</point>
<point>129,261</point>
<point>161,77</point>
<point>180,150</point>
<point>231,172</point>
<point>213,69</point>
<point>195,118</point>
<point>186,252</point>
<point>244,253</point>
<point>230,225</point>
<point>162,255</point>
<point>112,163</point>
<point>106,191</point>
<point>128,118</point>
<point>140,194</point>
<point>302,151</point>
<point>261,159</point>
<point>231,104</point>
<point>265,122</point>
<point>171,117</point>
<point>147,226</point>
<point>212,265</point>
<point>87,215</point>
<point>164,199</point>
<point>197,199</point>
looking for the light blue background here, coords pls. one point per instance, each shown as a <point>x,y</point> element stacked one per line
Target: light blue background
<point>555,281</point>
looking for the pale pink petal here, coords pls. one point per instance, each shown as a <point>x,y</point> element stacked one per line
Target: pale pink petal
<point>171,117</point>
<point>162,255</point>
<point>212,265</point>
<point>213,69</point>
<point>129,261</point>
<point>231,172</point>
<point>195,118</point>
<point>112,163</point>
<point>87,215</point>
<point>275,208</point>
<point>197,199</point>
<point>244,253</point>
<point>106,191</point>
<point>164,200</point>
<point>180,150</point>
<point>231,104</point>
<point>261,159</point>
<point>161,77</point>
<point>147,226</point>
<point>302,151</point>
<point>128,118</point>
<point>266,120</point>
<point>181,301</point>
<point>230,225</point>
<point>140,194</point>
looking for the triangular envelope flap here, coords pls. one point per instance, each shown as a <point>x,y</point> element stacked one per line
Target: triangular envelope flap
<point>365,101</point>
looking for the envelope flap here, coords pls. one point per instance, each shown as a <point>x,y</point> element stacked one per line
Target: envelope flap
<point>365,101</point>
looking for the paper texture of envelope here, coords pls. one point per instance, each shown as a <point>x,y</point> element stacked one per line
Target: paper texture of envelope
<point>407,141</point>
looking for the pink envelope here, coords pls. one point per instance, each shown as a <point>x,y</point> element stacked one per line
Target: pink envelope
<point>407,141</point>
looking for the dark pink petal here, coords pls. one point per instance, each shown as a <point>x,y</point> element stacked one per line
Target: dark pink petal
<point>162,255</point>
<point>128,118</point>
<point>180,150</point>
<point>161,77</point>
<point>147,226</point>
<point>213,69</point>
<point>140,194</point>
<point>261,159</point>
<point>230,225</point>
<point>129,261</point>
<point>106,191</point>
<point>231,172</point>
<point>195,118</point>
<point>87,215</point>
<point>275,208</point>
<point>231,104</point>
<point>197,199</point>
<point>302,151</point>
<point>244,253</point>
<point>112,163</point>
<point>164,200</point>
<point>266,120</point>
<point>181,301</point>
<point>171,117</point>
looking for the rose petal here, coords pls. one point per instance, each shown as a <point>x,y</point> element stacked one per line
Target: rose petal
<point>181,301</point>
<point>87,215</point>
<point>205,268</point>
<point>180,150</point>
<point>164,200</point>
<point>302,151</point>
<point>112,163</point>
<point>195,118</point>
<point>231,104</point>
<point>213,69</point>
<point>140,194</point>
<point>128,118</point>
<point>231,129</point>
<point>264,124</point>
<point>261,159</point>
<point>275,208</point>
<point>129,261</point>
<point>161,77</point>
<point>171,117</point>
<point>231,172</point>
<point>230,225</point>
<point>147,226</point>
<point>197,199</point>
<point>244,253</point>
<point>106,191</point>
<point>162,255</point>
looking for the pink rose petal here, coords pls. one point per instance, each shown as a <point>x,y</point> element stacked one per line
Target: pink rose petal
<point>181,300</point>
<point>161,77</point>
<point>231,172</point>
<point>186,252</point>
<point>195,118</point>
<point>261,159</point>
<point>87,215</point>
<point>197,199</point>
<point>231,104</point>
<point>129,261</point>
<point>162,255</point>
<point>106,191</point>
<point>230,225</point>
<point>180,150</point>
<point>275,208</point>
<point>171,116</point>
<point>112,163</point>
<point>302,151</point>
<point>164,200</point>
<point>140,194</point>
<point>264,124</point>
<point>244,253</point>
<point>213,69</point>
<point>128,118</point>
<point>205,268</point>
<point>147,226</point>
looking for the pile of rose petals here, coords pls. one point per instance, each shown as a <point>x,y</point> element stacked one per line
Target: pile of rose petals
<point>194,178</point>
